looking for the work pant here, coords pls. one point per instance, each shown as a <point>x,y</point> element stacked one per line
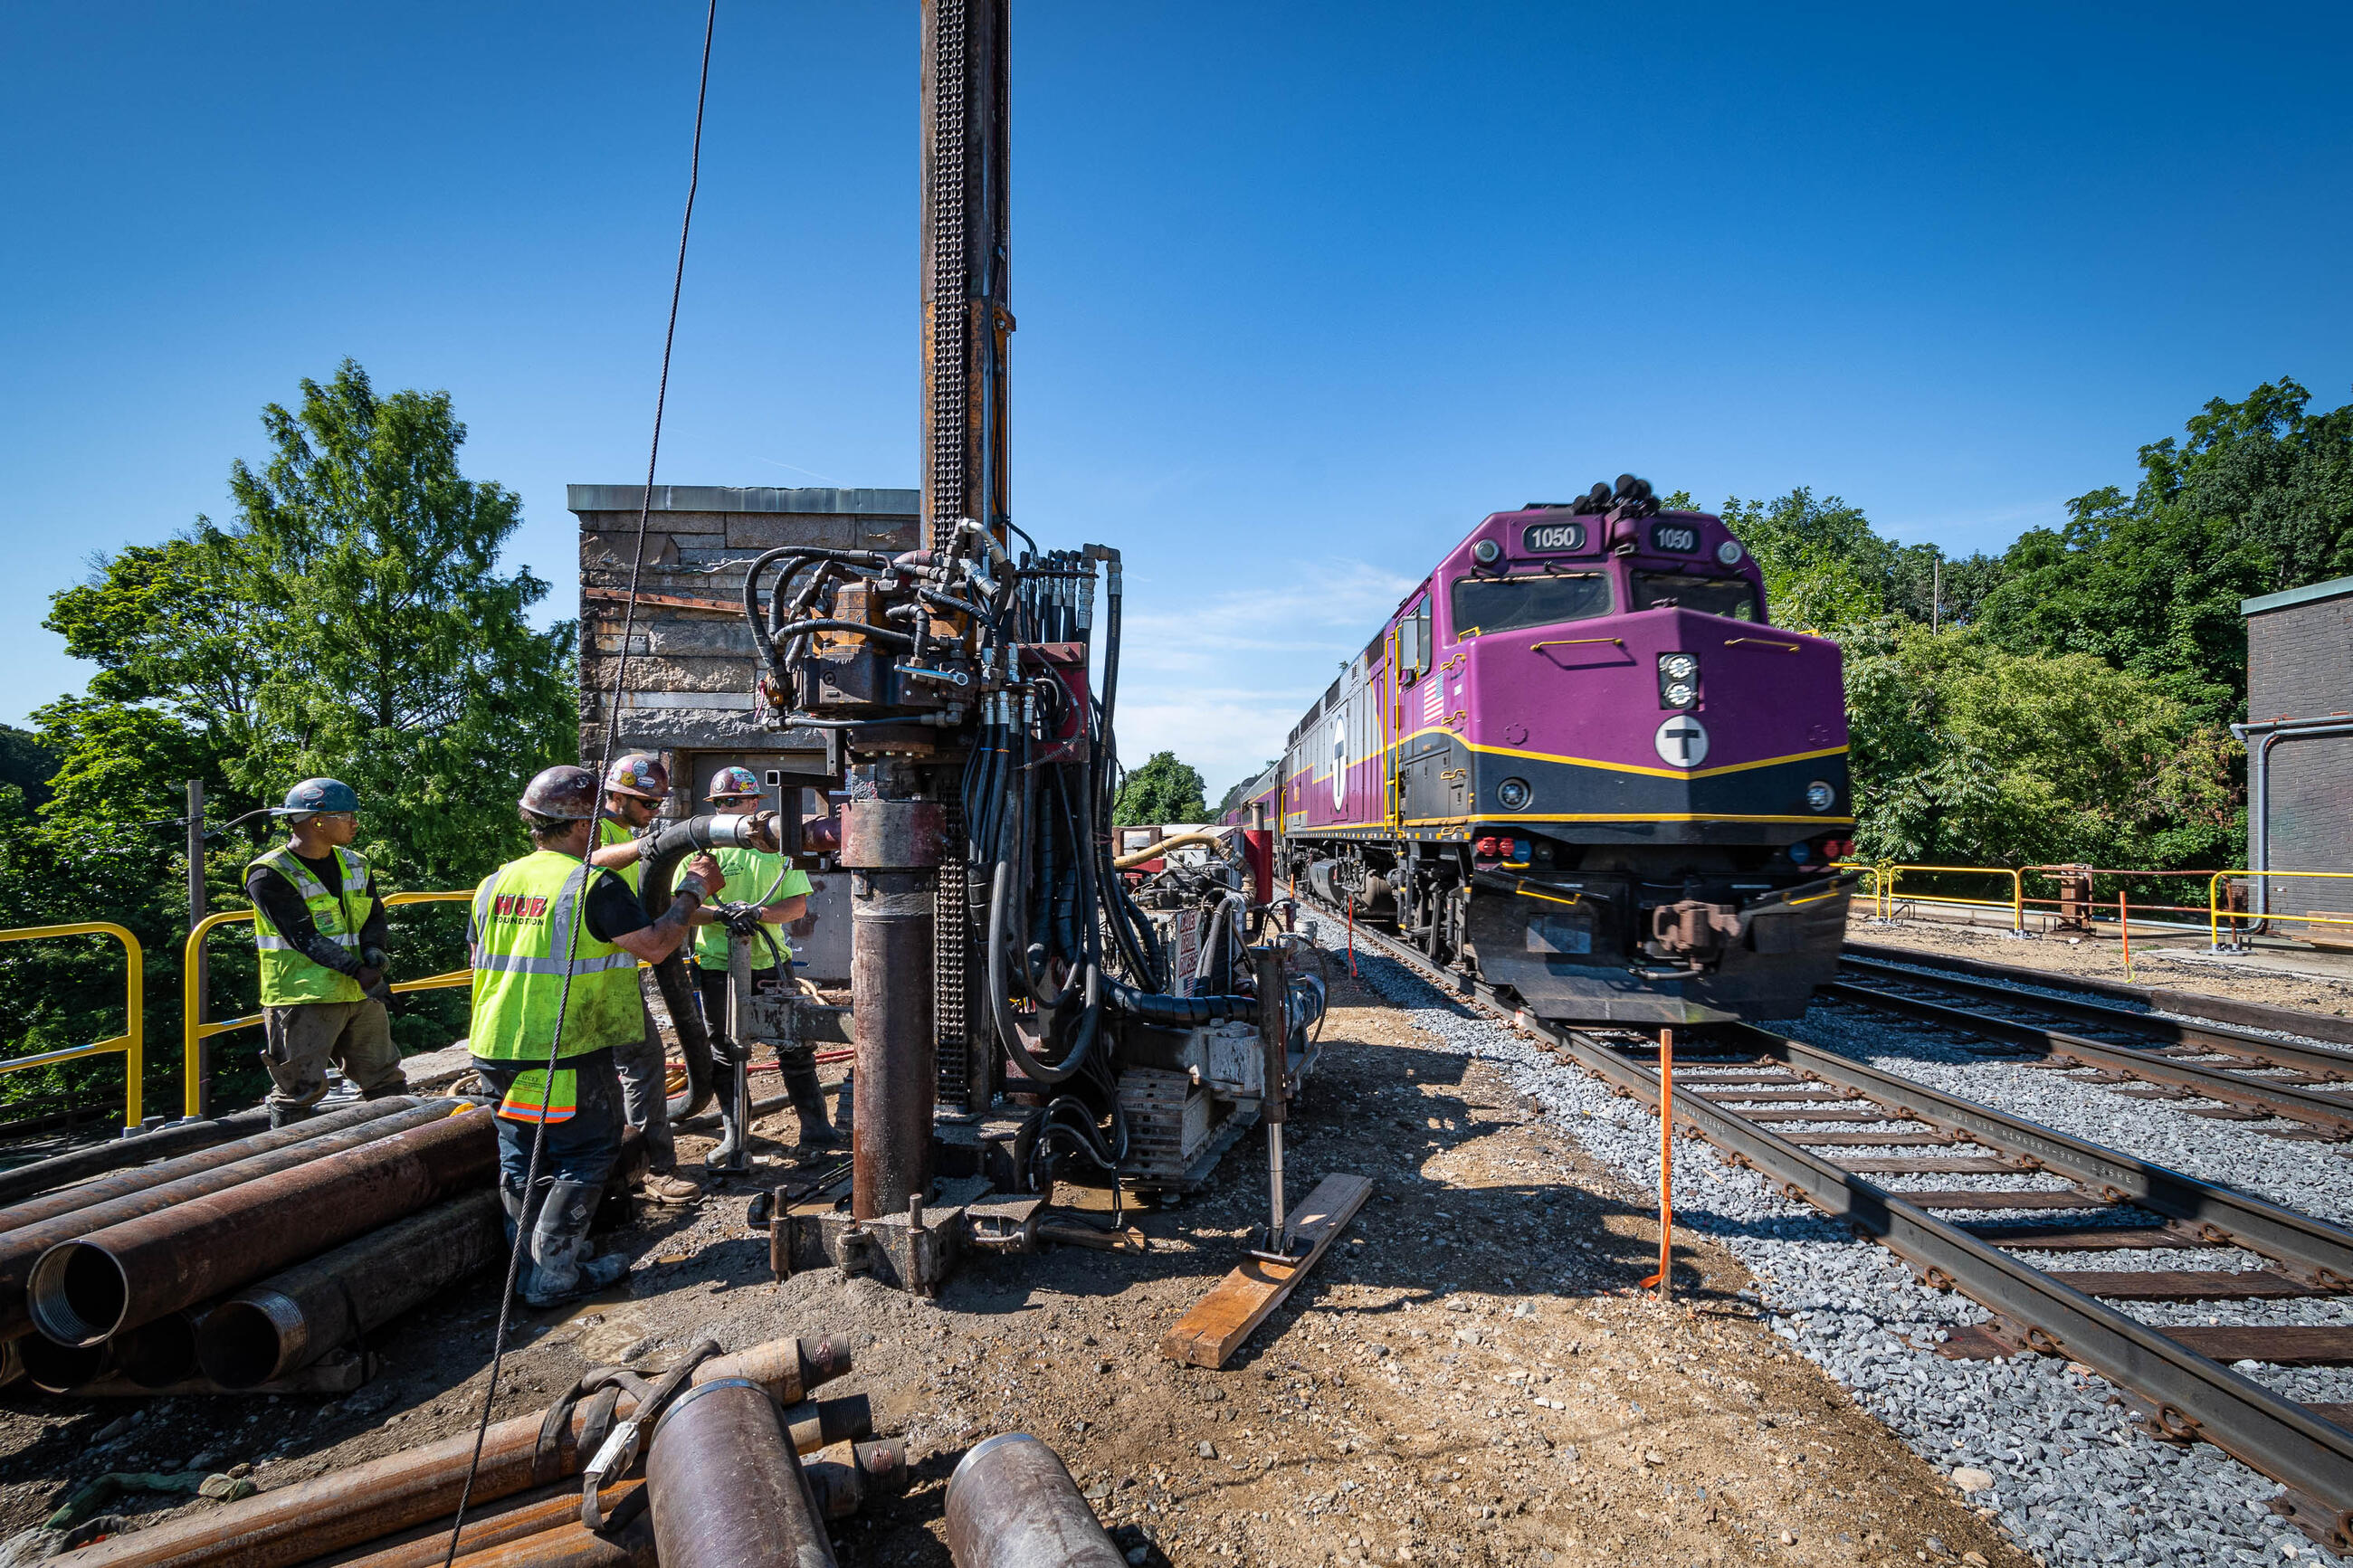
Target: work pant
<point>301,1039</point>
<point>584,1146</point>
<point>645,1092</point>
<point>712,984</point>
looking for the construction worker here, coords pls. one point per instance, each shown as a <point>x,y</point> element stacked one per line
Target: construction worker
<point>556,943</point>
<point>635,787</point>
<point>778,891</point>
<point>322,938</point>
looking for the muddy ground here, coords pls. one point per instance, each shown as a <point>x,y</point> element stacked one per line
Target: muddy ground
<point>1469,1378</point>
<point>2176,960</point>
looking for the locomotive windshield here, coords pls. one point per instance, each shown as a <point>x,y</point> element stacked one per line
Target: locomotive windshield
<point>1507,604</point>
<point>1729,596</point>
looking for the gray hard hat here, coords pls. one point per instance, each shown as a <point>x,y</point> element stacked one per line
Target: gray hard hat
<point>564,793</point>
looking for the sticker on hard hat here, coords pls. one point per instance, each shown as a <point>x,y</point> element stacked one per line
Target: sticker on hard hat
<point>1682,742</point>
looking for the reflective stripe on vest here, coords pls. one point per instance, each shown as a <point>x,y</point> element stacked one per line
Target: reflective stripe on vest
<point>525,916</point>
<point>290,978</point>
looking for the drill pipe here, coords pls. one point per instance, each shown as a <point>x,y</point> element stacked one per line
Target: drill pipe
<point>290,1319</point>
<point>21,1248</point>
<point>528,1514</point>
<point>891,849</point>
<point>136,1149</point>
<point>159,1354</point>
<point>287,1525</point>
<point>658,861</point>
<point>84,1291</point>
<point>573,1545</point>
<point>1012,1505</point>
<point>873,1470</point>
<point>726,1486</point>
<point>89,1194</point>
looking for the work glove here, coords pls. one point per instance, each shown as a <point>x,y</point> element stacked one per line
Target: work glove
<point>376,958</point>
<point>743,920</point>
<point>373,983</point>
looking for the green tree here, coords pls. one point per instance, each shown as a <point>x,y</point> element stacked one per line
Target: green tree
<point>350,619</point>
<point>1964,753</point>
<point>25,762</point>
<point>402,661</point>
<point>1161,790</point>
<point>2259,497</point>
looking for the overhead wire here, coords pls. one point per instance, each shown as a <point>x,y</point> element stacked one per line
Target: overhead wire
<point>577,922</point>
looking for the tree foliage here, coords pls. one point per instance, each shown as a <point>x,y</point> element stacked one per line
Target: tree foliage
<point>1161,790</point>
<point>349,619</point>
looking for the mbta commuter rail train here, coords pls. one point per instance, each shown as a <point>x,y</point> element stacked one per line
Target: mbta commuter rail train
<point>1580,763</point>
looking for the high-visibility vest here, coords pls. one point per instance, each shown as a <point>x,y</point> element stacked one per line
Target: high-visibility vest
<point>289,976</point>
<point>527,921</point>
<point>608,833</point>
<point>750,874</point>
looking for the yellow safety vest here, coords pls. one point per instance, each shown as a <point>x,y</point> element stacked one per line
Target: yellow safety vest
<point>290,978</point>
<point>750,874</point>
<point>527,916</point>
<point>608,833</point>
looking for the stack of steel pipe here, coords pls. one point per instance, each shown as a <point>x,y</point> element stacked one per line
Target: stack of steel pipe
<point>724,1483</point>
<point>111,1285</point>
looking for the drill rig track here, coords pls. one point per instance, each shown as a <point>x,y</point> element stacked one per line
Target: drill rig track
<point>2178,1393</point>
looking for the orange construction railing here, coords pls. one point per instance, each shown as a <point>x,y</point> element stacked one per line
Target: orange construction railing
<point>131,1042</point>
<point>194,1031</point>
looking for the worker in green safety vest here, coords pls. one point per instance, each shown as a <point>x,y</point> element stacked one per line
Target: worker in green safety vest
<point>323,940</point>
<point>778,891</point>
<point>635,786</point>
<point>557,942</point>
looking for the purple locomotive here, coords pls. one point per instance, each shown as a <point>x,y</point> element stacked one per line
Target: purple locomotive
<point>1580,763</point>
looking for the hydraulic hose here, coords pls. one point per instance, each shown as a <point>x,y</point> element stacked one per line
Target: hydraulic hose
<point>658,862</point>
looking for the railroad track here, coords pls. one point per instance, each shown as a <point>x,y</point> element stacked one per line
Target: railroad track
<point>1789,1110</point>
<point>2217,1070</point>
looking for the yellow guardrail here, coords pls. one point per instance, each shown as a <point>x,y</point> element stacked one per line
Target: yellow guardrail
<point>1886,877</point>
<point>2214,912</point>
<point>193,1033</point>
<point>131,1042</point>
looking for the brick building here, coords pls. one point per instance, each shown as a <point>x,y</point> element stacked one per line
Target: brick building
<point>2299,737</point>
<point>687,690</point>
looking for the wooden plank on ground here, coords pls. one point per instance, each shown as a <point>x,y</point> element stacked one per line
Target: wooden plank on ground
<point>1221,1321</point>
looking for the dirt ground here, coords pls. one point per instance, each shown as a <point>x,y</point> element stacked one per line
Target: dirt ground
<point>2176,962</point>
<point>1468,1378</point>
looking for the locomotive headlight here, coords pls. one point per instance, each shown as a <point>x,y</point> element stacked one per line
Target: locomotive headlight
<point>1513,794</point>
<point>1728,552</point>
<point>1820,796</point>
<point>1678,679</point>
<point>1486,553</point>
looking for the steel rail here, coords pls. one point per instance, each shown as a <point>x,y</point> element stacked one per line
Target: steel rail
<point>2188,1395</point>
<point>2320,1110</point>
<point>2318,1253</point>
<point>2329,1062</point>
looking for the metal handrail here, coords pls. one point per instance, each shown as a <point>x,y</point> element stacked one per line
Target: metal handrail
<point>1890,874</point>
<point>193,1033</point>
<point>2214,912</point>
<point>131,1042</point>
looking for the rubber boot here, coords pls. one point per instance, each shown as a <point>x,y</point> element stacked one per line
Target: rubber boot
<point>808,1096</point>
<point>562,1265</point>
<point>513,1202</point>
<point>283,1115</point>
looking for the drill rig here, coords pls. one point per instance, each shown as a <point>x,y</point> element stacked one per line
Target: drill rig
<point>1013,1015</point>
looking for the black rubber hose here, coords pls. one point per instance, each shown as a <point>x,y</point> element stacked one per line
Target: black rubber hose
<point>658,861</point>
<point>1178,1012</point>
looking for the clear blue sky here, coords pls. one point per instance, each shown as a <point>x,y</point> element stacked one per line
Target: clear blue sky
<point>1304,290</point>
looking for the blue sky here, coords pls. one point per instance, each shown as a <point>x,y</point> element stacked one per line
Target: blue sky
<point>1304,290</point>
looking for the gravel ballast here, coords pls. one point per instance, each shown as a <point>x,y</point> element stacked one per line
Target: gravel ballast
<point>2071,1479</point>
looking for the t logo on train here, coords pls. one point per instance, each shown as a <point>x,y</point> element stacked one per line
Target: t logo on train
<point>1581,762</point>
